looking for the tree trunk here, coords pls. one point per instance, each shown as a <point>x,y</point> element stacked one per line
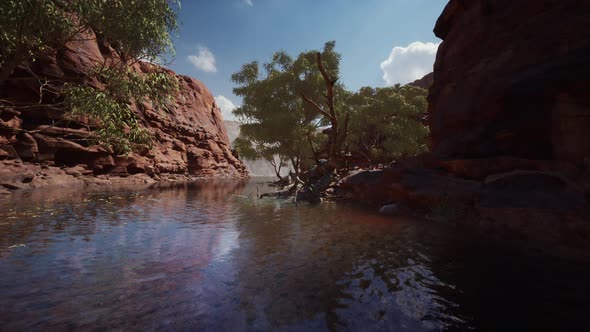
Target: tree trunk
<point>276,168</point>
<point>334,133</point>
<point>337,136</point>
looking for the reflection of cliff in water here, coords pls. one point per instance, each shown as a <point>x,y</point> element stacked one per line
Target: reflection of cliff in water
<point>257,168</point>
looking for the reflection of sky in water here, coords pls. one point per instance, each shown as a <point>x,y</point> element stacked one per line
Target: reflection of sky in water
<point>228,241</point>
<point>205,258</point>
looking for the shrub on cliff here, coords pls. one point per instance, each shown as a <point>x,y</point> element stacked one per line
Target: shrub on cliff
<point>135,30</point>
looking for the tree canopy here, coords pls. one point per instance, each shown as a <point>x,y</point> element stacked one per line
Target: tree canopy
<point>297,109</point>
<point>135,29</point>
<point>275,119</point>
<point>388,123</point>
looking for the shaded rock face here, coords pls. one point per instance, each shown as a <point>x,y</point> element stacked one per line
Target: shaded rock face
<point>189,137</point>
<point>511,79</point>
<point>424,82</point>
<point>510,125</point>
<point>533,206</point>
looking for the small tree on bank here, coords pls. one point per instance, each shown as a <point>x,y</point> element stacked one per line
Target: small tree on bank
<point>279,112</point>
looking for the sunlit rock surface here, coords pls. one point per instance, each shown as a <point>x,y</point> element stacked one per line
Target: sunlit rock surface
<point>189,138</point>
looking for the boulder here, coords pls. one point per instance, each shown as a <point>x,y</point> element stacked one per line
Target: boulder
<point>426,189</point>
<point>415,188</point>
<point>3,154</point>
<point>26,147</point>
<point>532,190</point>
<point>540,205</point>
<point>389,209</point>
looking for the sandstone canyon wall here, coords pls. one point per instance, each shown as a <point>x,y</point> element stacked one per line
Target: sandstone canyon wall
<point>189,138</point>
<point>512,78</point>
<point>509,116</point>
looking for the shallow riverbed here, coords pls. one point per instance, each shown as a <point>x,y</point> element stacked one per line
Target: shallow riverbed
<point>208,256</point>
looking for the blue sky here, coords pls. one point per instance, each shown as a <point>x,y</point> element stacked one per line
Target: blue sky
<point>382,42</point>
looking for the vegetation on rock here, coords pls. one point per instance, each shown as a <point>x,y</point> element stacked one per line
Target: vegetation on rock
<point>130,30</point>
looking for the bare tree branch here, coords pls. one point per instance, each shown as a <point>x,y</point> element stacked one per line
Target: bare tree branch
<point>316,106</point>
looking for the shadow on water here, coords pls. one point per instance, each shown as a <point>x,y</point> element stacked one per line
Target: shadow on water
<point>208,256</point>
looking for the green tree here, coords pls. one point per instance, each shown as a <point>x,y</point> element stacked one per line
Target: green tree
<point>136,30</point>
<point>254,150</point>
<point>318,73</point>
<point>279,114</point>
<point>388,123</point>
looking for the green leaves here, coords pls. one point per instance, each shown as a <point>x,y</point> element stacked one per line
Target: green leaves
<point>111,107</point>
<point>388,123</point>
<point>28,26</point>
<point>136,29</point>
<point>274,119</point>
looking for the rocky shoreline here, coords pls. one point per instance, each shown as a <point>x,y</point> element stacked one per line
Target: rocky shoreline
<point>17,176</point>
<point>513,199</point>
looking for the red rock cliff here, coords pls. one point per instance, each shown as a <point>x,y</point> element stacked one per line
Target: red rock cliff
<point>509,116</point>
<point>190,138</point>
<point>511,78</point>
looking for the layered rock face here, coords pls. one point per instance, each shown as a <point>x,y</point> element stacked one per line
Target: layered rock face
<point>189,138</point>
<point>511,79</point>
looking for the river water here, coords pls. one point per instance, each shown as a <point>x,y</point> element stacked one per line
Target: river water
<point>207,256</point>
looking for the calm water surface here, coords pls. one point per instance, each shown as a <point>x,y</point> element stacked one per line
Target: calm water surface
<point>207,257</point>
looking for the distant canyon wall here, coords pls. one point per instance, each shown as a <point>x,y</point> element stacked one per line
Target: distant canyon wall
<point>258,168</point>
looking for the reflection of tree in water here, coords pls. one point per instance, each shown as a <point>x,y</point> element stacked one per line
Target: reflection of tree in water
<point>334,267</point>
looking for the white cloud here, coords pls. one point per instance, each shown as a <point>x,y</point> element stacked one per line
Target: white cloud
<point>249,3</point>
<point>226,107</point>
<point>407,64</point>
<point>204,60</point>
